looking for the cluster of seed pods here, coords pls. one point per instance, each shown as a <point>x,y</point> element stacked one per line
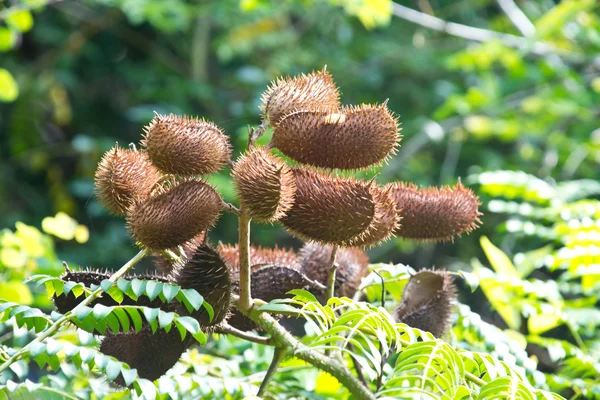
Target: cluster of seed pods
<point>160,191</point>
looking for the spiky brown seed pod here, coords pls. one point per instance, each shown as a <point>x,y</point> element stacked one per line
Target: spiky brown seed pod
<point>206,272</point>
<point>152,354</point>
<point>122,176</point>
<point>349,138</point>
<point>329,209</point>
<point>174,216</point>
<point>427,302</point>
<point>435,214</point>
<point>302,92</point>
<point>265,185</point>
<point>258,256</point>
<point>165,266</point>
<point>67,302</point>
<point>186,146</point>
<point>352,266</point>
<point>384,223</point>
<point>270,282</point>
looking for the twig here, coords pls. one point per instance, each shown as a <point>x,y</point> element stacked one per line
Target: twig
<point>231,208</point>
<point>517,17</point>
<point>472,33</point>
<point>357,366</point>
<point>52,329</point>
<point>230,330</point>
<point>278,356</point>
<point>331,274</point>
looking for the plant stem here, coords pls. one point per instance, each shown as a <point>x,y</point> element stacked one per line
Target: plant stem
<point>245,300</point>
<point>52,329</point>
<point>230,330</point>
<point>277,357</point>
<point>332,269</point>
<point>285,339</point>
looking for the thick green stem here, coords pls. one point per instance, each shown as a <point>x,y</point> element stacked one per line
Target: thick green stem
<point>52,329</point>
<point>277,357</point>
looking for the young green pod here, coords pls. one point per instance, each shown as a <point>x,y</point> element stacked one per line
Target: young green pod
<point>349,138</point>
<point>174,216</point>
<point>435,214</point>
<point>186,146</point>
<point>265,185</point>
<point>328,209</point>
<point>206,272</point>
<point>352,266</point>
<point>427,302</point>
<point>122,176</point>
<point>303,92</point>
<point>152,354</point>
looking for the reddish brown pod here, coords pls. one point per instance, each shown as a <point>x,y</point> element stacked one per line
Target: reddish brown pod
<point>329,209</point>
<point>385,221</point>
<point>265,185</point>
<point>174,216</point>
<point>435,214</point>
<point>186,146</point>
<point>122,176</point>
<point>302,92</point>
<point>349,138</point>
<point>427,302</point>
<point>259,256</point>
<point>352,266</point>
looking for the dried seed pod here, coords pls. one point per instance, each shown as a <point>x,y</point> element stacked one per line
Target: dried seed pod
<point>352,266</point>
<point>328,209</point>
<point>265,185</point>
<point>435,214</point>
<point>122,176</point>
<point>67,302</point>
<point>165,266</point>
<point>349,138</point>
<point>186,146</point>
<point>270,282</point>
<point>152,354</point>
<point>206,272</point>
<point>303,92</point>
<point>427,302</point>
<point>385,221</point>
<point>174,216</point>
<point>258,256</point>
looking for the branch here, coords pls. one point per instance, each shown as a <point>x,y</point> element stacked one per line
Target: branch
<point>472,33</point>
<point>517,17</point>
<point>278,356</point>
<point>285,339</point>
<point>332,269</point>
<point>245,300</point>
<point>52,329</point>
<point>230,330</point>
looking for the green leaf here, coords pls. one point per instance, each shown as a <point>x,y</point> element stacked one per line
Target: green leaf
<point>135,318</point>
<point>9,90</point>
<point>153,289</point>
<point>100,312</point>
<point>169,291</point>
<point>106,284</point>
<point>471,279</point>
<point>129,375</point>
<point>7,39</point>
<point>279,308</point>
<point>498,260</point>
<point>193,298</point>
<point>82,311</point>
<point>138,286</point>
<point>20,20</point>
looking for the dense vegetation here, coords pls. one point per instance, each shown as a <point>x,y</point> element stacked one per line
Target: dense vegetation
<point>510,107</point>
